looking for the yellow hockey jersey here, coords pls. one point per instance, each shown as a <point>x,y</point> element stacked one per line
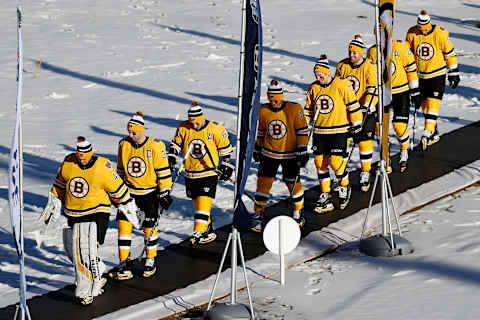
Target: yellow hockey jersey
<point>281,131</point>
<point>433,51</point>
<point>202,146</point>
<point>404,67</point>
<point>144,167</point>
<point>364,81</point>
<point>337,105</point>
<point>90,189</point>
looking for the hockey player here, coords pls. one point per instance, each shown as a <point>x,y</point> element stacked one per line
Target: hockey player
<point>203,143</point>
<point>281,141</point>
<point>435,56</point>
<point>332,108</point>
<point>362,73</point>
<point>86,185</point>
<point>405,90</point>
<point>143,164</point>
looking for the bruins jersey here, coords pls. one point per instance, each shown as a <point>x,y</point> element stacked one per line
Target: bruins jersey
<point>90,189</point>
<point>282,130</point>
<point>433,51</point>
<point>404,67</point>
<point>144,167</point>
<point>364,80</point>
<point>337,105</point>
<point>202,146</point>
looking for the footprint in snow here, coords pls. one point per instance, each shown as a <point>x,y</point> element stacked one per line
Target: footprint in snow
<point>403,273</point>
<point>55,95</point>
<point>313,292</point>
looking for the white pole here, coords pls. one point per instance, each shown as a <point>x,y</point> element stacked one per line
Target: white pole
<point>233,285</point>
<point>281,252</point>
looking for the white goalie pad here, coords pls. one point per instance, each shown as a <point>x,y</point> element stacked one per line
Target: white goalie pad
<point>67,235</point>
<point>87,264</point>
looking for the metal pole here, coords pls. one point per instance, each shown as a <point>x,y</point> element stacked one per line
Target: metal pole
<point>281,252</point>
<point>219,271</point>
<point>252,313</point>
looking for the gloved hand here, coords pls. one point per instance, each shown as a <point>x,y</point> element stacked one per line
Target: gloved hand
<point>415,98</point>
<point>130,210</point>
<point>226,170</point>
<point>453,78</point>
<point>302,156</point>
<point>52,210</point>
<point>257,153</point>
<point>164,199</point>
<point>355,132</point>
<point>172,162</point>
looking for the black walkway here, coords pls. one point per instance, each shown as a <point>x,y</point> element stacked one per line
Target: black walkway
<point>180,266</point>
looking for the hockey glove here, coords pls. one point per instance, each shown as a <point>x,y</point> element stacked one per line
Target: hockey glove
<point>130,210</point>
<point>355,131</point>
<point>52,210</point>
<point>302,156</point>
<point>257,153</point>
<point>454,78</point>
<point>172,162</point>
<point>226,170</point>
<point>164,199</point>
<point>415,98</point>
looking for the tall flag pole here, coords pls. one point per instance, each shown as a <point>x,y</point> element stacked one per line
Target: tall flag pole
<point>385,15</point>
<point>15,173</point>
<point>250,78</point>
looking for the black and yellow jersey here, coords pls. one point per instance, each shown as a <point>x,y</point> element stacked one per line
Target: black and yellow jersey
<point>404,68</point>
<point>337,104</point>
<point>211,139</point>
<point>433,51</point>
<point>281,131</point>
<point>363,78</point>
<point>144,167</point>
<point>88,189</point>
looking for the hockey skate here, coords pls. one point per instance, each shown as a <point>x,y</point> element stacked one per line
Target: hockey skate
<point>364,181</point>
<point>257,222</point>
<point>344,196</point>
<point>429,138</point>
<point>122,272</point>
<point>150,267</point>
<point>204,237</point>
<point>403,160</point>
<point>324,203</point>
<point>300,219</point>
<point>84,301</point>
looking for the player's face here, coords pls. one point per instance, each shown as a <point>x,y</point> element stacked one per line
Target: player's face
<point>355,57</point>
<point>197,125</point>
<point>276,104</point>
<point>82,158</point>
<point>137,137</point>
<point>424,31</point>
<point>323,78</point>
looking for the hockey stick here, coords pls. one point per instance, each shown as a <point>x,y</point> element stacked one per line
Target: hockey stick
<point>218,172</point>
<point>413,129</point>
<point>179,172</point>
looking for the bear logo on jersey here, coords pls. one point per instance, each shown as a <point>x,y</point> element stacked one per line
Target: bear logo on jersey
<point>325,103</point>
<point>355,83</point>
<point>425,51</point>
<point>277,129</point>
<point>198,149</point>
<point>78,187</point>
<point>136,167</point>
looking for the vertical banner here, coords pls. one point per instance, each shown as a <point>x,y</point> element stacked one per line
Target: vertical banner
<point>385,19</point>
<point>15,195</point>
<point>249,99</point>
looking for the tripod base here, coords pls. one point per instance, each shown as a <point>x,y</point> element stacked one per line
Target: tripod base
<point>228,311</point>
<point>380,246</point>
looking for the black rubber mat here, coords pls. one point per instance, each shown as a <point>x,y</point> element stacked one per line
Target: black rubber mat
<point>180,266</point>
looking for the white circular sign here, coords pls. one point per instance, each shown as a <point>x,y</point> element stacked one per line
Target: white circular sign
<point>290,233</point>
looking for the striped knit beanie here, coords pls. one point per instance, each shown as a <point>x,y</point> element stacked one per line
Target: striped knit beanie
<point>195,113</point>
<point>274,91</point>
<point>84,148</point>
<point>357,45</point>
<point>423,21</point>
<point>136,123</point>
<point>322,65</point>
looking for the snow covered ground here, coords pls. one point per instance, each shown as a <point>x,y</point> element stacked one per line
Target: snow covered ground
<point>440,280</point>
<point>89,65</point>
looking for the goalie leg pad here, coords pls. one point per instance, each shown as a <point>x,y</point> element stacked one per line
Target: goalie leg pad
<point>67,234</point>
<point>86,266</point>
